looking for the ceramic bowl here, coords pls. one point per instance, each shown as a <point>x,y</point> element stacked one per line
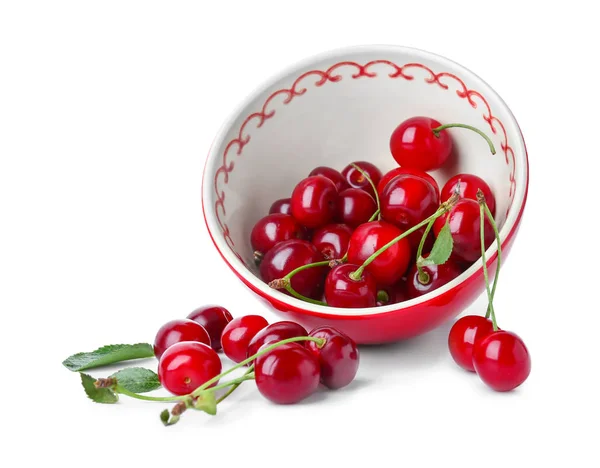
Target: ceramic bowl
<point>342,106</point>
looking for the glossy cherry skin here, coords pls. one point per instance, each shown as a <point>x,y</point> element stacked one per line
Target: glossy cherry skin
<point>238,333</point>
<point>287,374</point>
<point>314,201</point>
<point>335,176</point>
<point>355,207</point>
<point>289,255</point>
<point>403,171</point>
<point>283,206</point>
<point>275,332</point>
<point>356,180</point>
<point>464,222</point>
<point>464,333</point>
<point>187,365</point>
<point>338,358</point>
<point>176,331</point>
<point>407,200</point>
<point>439,275</point>
<point>502,360</point>
<point>332,240</point>
<point>390,265</point>
<point>213,318</point>
<point>414,145</point>
<point>469,185</point>
<point>273,229</point>
<point>343,291</point>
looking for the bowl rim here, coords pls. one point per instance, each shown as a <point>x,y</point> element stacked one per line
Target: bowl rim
<point>507,231</point>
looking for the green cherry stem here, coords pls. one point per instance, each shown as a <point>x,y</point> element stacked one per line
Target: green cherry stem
<point>236,385</point>
<point>320,343</point>
<point>285,282</point>
<point>234,382</point>
<point>436,132</point>
<point>444,208</point>
<point>423,276</point>
<point>375,215</point>
<point>137,396</point>
<point>366,176</point>
<point>499,261</point>
<point>485,269</point>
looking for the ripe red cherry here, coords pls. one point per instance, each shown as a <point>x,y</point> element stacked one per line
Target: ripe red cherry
<point>332,240</point>
<point>357,180</point>
<point>289,255</point>
<point>238,333</point>
<point>463,335</point>
<point>335,176</point>
<point>287,374</point>
<point>469,185</point>
<point>414,145</point>
<point>275,332</point>
<point>391,265</point>
<point>283,206</point>
<point>179,330</point>
<point>464,221</point>
<point>407,200</point>
<point>403,171</point>
<point>273,229</point>
<point>438,275</point>
<point>343,291</point>
<point>355,207</point>
<point>314,201</point>
<point>187,365</point>
<point>338,358</point>
<point>502,360</point>
<point>213,318</point>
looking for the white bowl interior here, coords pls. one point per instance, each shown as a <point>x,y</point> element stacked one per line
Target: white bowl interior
<point>342,107</point>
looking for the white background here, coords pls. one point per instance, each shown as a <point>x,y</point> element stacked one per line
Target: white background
<point>107,110</point>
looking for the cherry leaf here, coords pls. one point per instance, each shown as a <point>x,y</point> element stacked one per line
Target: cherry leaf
<point>137,379</point>
<point>442,248</point>
<point>108,355</point>
<point>99,395</point>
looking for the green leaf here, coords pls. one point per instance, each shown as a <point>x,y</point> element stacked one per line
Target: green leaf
<point>99,395</point>
<point>440,253</point>
<point>108,355</point>
<point>207,402</point>
<point>137,379</point>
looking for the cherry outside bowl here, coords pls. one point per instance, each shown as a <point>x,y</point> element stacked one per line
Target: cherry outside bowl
<point>342,106</point>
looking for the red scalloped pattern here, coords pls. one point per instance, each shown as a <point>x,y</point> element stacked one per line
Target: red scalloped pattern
<point>329,75</point>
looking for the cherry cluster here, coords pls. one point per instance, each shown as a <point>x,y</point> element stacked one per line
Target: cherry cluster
<point>359,238</point>
<point>286,361</point>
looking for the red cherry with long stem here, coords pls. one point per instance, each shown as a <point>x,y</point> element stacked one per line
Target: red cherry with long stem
<point>332,240</point>
<point>213,318</point>
<point>238,333</point>
<point>335,176</point>
<point>355,207</point>
<point>467,186</point>
<point>290,255</point>
<point>421,143</point>
<point>271,230</point>
<point>287,374</point>
<point>275,332</point>
<point>187,365</point>
<point>338,358</point>
<point>283,206</point>
<point>314,201</point>
<point>176,331</point>
<point>356,178</point>
<point>343,291</point>
<point>407,171</point>
<point>463,220</point>
<point>463,335</point>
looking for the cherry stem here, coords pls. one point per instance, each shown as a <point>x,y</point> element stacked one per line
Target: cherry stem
<point>236,385</point>
<point>422,275</point>
<point>319,341</point>
<point>436,132</point>
<point>234,382</point>
<point>285,282</point>
<point>124,391</point>
<point>383,296</point>
<point>445,207</point>
<point>499,261</point>
<point>482,205</point>
<point>366,176</point>
<point>375,215</point>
